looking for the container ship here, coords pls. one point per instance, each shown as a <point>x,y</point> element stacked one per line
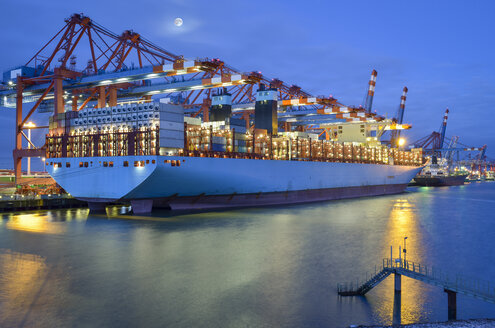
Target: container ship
<point>153,154</point>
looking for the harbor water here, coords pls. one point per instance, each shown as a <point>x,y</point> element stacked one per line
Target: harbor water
<point>256,267</point>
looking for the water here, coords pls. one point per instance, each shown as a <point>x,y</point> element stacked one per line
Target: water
<point>267,267</point>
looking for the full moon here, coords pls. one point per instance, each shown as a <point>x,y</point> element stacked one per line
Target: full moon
<point>178,21</point>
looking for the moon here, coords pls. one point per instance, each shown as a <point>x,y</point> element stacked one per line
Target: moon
<point>178,21</point>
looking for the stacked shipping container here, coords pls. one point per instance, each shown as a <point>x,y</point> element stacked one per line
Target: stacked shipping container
<point>161,128</point>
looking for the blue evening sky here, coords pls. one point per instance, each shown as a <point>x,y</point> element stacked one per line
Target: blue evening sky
<point>443,51</point>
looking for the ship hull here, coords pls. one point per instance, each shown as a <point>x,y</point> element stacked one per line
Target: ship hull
<point>453,180</point>
<point>202,183</point>
<point>275,198</point>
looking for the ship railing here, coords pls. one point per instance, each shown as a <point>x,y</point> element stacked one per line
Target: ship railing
<point>456,282</point>
<point>478,288</point>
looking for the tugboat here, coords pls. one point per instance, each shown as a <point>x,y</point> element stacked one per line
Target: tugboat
<point>437,174</point>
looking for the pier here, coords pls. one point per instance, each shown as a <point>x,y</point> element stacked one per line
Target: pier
<point>15,203</point>
<point>451,284</point>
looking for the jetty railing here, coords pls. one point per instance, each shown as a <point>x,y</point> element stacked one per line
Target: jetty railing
<point>459,283</point>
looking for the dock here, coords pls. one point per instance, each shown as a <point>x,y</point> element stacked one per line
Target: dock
<point>15,203</point>
<point>451,284</point>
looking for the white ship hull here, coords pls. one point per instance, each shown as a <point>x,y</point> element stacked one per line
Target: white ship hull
<point>203,182</point>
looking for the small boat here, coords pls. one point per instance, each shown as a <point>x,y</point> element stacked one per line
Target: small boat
<point>437,174</point>
<point>490,175</point>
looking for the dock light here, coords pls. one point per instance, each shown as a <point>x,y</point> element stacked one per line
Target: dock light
<point>29,125</point>
<point>401,142</point>
<point>404,250</point>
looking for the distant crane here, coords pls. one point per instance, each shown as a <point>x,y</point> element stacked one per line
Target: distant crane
<point>435,139</point>
<point>400,116</point>
<point>371,92</point>
<point>444,127</point>
<point>433,145</point>
<point>449,154</point>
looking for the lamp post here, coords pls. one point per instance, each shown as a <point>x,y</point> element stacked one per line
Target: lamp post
<point>29,125</point>
<point>404,250</point>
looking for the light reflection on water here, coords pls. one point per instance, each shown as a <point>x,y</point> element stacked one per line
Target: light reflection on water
<point>274,266</point>
<point>35,223</point>
<point>403,222</point>
<point>21,278</point>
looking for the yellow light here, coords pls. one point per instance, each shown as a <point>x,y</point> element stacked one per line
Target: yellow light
<point>29,125</point>
<point>401,141</point>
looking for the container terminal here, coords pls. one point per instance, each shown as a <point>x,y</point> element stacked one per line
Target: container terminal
<point>177,133</point>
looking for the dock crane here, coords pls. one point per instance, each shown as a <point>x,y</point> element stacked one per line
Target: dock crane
<point>399,117</point>
<point>371,92</point>
<point>449,154</point>
<point>51,80</point>
<point>433,145</point>
<point>435,139</point>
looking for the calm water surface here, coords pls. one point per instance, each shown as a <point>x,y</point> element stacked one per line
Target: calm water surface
<point>266,267</point>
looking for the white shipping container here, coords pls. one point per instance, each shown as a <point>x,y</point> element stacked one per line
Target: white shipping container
<point>172,126</point>
<point>171,143</point>
<point>172,117</point>
<point>171,134</point>
<point>171,108</point>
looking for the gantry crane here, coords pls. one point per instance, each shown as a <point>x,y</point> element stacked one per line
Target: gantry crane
<point>50,79</point>
<point>395,134</point>
<point>435,140</point>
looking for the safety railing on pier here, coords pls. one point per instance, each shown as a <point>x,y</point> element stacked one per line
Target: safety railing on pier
<point>477,288</point>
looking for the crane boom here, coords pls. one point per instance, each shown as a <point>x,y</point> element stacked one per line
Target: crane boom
<point>400,116</point>
<point>371,91</point>
<point>444,127</point>
<point>402,106</point>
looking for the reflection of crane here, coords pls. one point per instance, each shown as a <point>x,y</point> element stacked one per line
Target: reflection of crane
<point>435,139</point>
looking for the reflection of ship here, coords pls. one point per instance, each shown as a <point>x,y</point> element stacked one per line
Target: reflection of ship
<point>435,174</point>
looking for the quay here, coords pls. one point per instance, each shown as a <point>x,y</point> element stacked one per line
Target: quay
<point>14,203</point>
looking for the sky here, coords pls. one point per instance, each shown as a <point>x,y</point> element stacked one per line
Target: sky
<point>443,51</point>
